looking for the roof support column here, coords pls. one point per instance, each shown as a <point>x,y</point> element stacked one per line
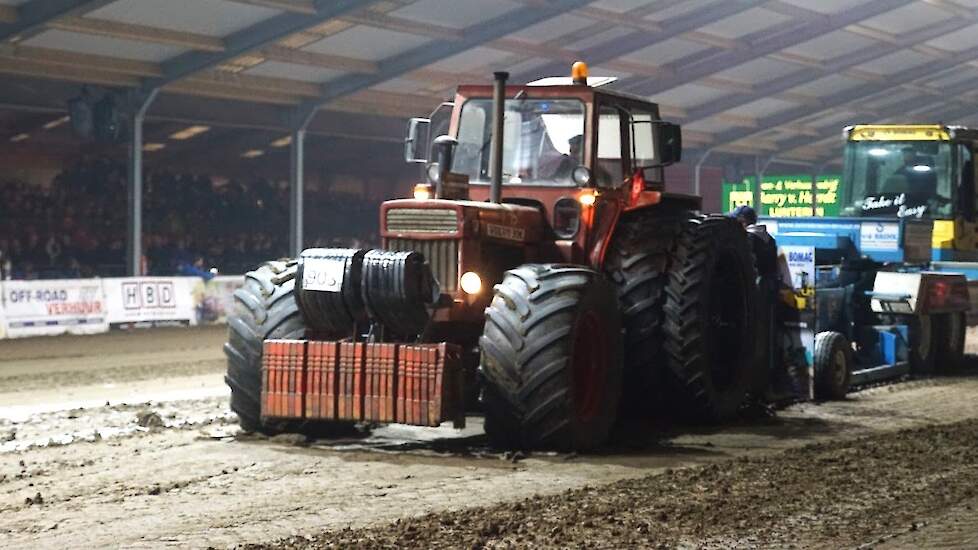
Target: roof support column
<point>296,180</point>
<point>134,251</point>
<point>817,170</point>
<point>698,170</point>
<point>759,169</point>
<point>299,122</point>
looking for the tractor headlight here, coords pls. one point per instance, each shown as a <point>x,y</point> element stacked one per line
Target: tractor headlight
<point>581,176</point>
<point>422,191</point>
<point>588,197</point>
<point>471,283</point>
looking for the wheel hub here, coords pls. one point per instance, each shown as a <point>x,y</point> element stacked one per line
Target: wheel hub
<point>839,367</point>
<point>590,366</point>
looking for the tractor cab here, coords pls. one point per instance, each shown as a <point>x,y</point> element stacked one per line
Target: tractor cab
<point>555,133</point>
<point>535,172</point>
<point>923,172</point>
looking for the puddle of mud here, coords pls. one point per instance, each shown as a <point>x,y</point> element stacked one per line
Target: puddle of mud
<point>65,426</point>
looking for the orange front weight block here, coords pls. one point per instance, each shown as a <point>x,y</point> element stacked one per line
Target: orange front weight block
<point>417,384</point>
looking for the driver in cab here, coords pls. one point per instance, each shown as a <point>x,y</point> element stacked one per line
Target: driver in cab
<point>915,177</point>
<point>575,158</point>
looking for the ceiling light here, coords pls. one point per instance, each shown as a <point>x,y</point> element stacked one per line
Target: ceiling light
<point>878,152</point>
<point>189,132</point>
<point>282,142</point>
<point>19,137</point>
<point>252,153</point>
<point>921,168</point>
<point>150,147</point>
<point>55,123</point>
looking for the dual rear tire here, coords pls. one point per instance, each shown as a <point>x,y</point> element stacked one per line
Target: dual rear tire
<point>558,338</point>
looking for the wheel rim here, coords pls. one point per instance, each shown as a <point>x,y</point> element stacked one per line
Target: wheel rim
<point>923,337</point>
<point>590,366</point>
<point>840,367</point>
<point>726,332</point>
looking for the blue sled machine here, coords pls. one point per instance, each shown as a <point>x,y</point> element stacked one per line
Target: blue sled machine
<point>861,306</point>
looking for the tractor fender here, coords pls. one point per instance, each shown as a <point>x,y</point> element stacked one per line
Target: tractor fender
<point>604,233</point>
<point>920,293</point>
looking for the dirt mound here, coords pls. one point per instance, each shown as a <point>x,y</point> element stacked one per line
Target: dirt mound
<point>149,419</point>
<point>837,494</point>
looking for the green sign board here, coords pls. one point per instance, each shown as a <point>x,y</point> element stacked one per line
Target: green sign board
<point>786,196</point>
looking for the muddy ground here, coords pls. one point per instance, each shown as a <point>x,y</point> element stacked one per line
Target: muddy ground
<point>124,440</point>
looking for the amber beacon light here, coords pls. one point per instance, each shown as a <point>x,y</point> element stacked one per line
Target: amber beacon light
<point>579,72</point>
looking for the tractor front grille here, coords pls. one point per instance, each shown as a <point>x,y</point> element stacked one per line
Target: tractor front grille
<point>422,220</point>
<point>442,255</point>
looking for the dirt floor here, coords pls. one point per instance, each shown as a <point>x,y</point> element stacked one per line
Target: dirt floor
<point>124,440</point>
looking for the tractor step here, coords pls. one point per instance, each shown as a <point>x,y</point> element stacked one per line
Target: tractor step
<point>415,384</point>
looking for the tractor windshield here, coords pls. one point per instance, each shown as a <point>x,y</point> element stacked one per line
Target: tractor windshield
<point>898,179</point>
<point>542,141</point>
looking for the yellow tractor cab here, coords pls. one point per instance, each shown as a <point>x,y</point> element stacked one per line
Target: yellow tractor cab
<point>922,171</point>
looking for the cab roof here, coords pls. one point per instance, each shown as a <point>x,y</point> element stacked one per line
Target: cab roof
<point>910,132</point>
<point>584,92</point>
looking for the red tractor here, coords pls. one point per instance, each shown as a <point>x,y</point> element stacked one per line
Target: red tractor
<point>542,269</point>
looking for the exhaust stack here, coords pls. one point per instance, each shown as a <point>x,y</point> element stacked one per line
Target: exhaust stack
<point>496,154</point>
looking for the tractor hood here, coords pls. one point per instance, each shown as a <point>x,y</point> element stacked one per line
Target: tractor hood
<point>834,239</point>
<point>440,219</point>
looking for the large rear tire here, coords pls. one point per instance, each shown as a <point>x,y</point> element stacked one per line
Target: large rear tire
<point>551,359</point>
<point>710,306</point>
<point>638,262</point>
<point>949,335</point>
<point>922,340</point>
<point>265,308</point>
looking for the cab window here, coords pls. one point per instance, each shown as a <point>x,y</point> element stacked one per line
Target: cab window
<point>608,171</point>
<point>968,197</point>
<point>643,146</point>
<point>542,141</point>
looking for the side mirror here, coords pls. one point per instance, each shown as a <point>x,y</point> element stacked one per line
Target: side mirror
<point>416,140</point>
<point>655,143</point>
<point>669,144</point>
<point>443,147</point>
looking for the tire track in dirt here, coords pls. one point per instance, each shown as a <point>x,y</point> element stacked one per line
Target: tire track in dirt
<point>178,486</point>
<point>825,495</point>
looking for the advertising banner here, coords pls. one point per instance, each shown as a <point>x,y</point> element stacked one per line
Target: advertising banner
<point>153,300</point>
<point>218,299</point>
<point>88,306</point>
<point>786,196</point>
<point>801,264</point>
<point>35,308</point>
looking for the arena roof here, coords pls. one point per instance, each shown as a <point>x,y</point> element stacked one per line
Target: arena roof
<point>765,78</point>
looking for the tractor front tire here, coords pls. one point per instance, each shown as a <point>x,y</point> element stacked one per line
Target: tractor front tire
<point>551,359</point>
<point>710,339</point>
<point>833,366</point>
<point>265,308</point>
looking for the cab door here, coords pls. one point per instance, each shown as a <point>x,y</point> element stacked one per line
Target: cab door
<point>611,159</point>
<point>965,223</point>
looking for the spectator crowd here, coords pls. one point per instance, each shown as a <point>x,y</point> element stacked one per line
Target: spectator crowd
<point>76,227</point>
